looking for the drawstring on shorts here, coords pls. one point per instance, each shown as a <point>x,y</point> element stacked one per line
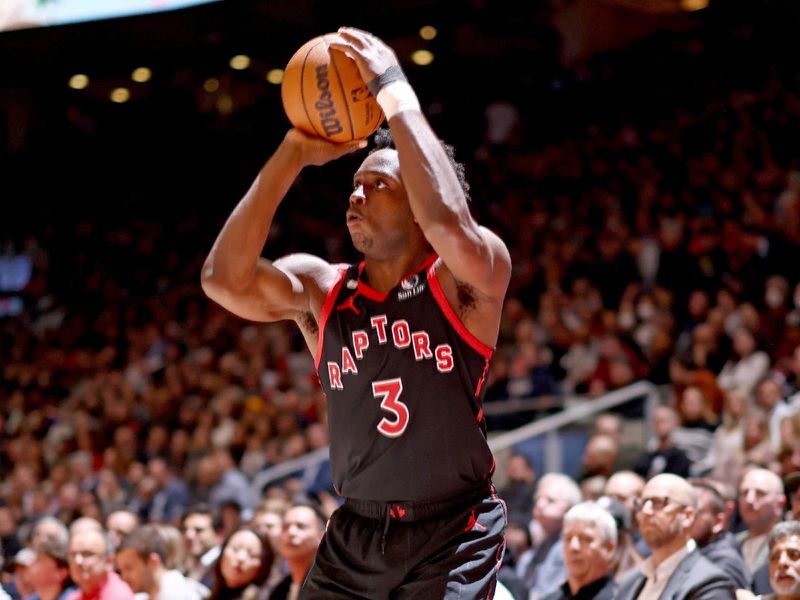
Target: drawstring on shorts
<point>386,522</point>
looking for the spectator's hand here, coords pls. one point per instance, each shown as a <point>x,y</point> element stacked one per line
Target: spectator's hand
<point>370,53</point>
<point>317,151</point>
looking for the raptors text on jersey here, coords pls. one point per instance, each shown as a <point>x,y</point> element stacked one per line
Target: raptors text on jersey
<point>403,379</point>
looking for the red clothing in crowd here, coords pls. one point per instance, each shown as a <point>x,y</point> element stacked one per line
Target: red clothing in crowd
<point>113,589</point>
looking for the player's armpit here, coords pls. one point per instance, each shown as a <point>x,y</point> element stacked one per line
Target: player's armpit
<point>474,255</point>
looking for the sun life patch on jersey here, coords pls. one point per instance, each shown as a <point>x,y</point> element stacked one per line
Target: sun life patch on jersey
<point>410,286</point>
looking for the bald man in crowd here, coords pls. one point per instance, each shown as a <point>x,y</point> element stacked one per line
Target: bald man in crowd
<point>91,567</point>
<point>676,570</point>
<point>600,456</point>
<point>120,524</point>
<point>761,503</point>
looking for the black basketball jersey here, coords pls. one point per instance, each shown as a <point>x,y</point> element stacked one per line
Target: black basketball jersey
<point>403,378</point>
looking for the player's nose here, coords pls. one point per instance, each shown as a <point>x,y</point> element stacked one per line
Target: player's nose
<point>357,195</point>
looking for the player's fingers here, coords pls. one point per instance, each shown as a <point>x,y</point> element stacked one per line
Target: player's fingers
<point>346,49</point>
<point>353,39</point>
<point>359,37</point>
<point>353,146</point>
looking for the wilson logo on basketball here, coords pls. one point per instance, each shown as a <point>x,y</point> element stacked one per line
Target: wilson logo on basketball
<point>324,104</point>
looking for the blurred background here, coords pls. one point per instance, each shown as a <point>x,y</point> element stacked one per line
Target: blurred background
<point>639,158</point>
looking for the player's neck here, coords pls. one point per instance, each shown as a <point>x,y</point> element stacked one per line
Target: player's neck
<point>383,275</point>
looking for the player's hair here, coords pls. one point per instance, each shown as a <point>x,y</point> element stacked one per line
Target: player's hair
<point>383,139</point>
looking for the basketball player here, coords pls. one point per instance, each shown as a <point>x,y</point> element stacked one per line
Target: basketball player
<point>402,343</point>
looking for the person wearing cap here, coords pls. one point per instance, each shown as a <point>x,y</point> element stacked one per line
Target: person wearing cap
<point>19,565</point>
<point>48,573</point>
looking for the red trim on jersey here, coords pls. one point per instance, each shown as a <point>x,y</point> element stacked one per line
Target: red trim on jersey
<point>367,291</point>
<point>327,307</point>
<point>481,381</point>
<point>466,335</point>
<point>377,296</point>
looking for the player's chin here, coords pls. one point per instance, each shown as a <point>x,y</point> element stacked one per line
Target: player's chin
<point>361,242</point>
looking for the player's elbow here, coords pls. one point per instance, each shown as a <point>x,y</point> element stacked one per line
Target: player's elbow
<point>215,286</point>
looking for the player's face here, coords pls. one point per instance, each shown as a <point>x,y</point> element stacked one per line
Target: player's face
<point>379,217</point>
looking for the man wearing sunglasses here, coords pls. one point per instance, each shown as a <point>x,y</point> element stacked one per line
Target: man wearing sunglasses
<point>676,570</point>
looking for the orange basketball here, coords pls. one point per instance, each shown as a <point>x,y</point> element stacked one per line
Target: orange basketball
<point>323,94</point>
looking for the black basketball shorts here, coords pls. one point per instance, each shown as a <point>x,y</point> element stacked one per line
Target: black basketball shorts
<point>452,555</point>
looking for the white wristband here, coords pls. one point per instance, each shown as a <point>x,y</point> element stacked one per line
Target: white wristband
<point>397,97</point>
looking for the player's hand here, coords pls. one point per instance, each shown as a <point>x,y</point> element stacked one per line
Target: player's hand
<point>318,151</point>
<point>369,52</point>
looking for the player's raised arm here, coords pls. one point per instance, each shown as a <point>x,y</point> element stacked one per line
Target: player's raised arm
<point>473,254</point>
<point>234,274</point>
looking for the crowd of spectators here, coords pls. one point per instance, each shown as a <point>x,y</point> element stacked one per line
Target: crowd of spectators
<point>651,239</point>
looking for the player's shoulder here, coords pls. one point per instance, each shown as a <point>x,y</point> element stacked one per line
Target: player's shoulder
<point>311,269</point>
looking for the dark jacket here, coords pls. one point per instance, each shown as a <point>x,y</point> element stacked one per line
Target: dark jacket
<point>693,579</point>
<point>601,589</point>
<point>724,552</point>
<point>761,582</point>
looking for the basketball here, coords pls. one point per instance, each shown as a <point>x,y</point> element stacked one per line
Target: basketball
<point>323,94</point>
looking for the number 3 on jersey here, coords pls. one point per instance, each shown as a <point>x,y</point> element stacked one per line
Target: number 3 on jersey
<point>388,391</point>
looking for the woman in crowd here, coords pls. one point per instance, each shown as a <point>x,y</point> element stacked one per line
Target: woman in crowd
<point>243,566</point>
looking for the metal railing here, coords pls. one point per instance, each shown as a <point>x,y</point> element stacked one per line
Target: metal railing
<point>577,409</point>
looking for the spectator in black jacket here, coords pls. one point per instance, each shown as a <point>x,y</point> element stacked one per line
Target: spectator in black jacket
<point>663,457</point>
